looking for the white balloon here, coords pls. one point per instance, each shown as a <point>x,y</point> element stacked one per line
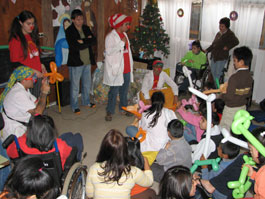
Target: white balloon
<point>230,138</point>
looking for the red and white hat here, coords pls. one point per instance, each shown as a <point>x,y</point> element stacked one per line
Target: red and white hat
<point>117,20</point>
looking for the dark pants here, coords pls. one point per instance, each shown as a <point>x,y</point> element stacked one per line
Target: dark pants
<point>185,84</point>
<point>147,194</point>
<point>158,171</point>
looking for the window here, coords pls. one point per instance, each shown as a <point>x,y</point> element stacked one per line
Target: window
<point>195,20</point>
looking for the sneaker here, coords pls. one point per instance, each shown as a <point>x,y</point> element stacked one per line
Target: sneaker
<point>77,111</point>
<point>108,117</point>
<point>91,105</point>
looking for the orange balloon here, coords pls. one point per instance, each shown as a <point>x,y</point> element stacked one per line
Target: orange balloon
<point>142,133</point>
<point>54,76</point>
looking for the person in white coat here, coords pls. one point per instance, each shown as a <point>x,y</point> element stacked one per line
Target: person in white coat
<point>118,67</point>
<point>155,80</point>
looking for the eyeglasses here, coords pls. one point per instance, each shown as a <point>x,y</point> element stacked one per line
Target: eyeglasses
<point>33,78</point>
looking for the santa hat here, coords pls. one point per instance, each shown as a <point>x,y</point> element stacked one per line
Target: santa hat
<point>117,20</point>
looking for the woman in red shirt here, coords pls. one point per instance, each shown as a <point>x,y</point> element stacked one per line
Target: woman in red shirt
<point>24,45</point>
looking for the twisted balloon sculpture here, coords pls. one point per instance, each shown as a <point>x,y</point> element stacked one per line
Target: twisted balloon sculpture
<point>54,76</point>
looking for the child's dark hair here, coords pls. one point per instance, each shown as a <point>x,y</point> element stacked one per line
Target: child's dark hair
<point>209,85</point>
<point>75,13</point>
<point>197,43</point>
<point>29,177</point>
<point>230,149</point>
<point>225,21</point>
<point>245,54</point>
<point>41,133</point>
<point>16,31</point>
<point>157,101</point>
<point>219,105</point>
<point>215,118</point>
<point>176,183</point>
<point>259,134</point>
<point>202,108</point>
<point>135,155</point>
<point>175,127</point>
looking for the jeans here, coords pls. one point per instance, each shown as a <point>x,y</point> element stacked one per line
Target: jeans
<point>217,69</point>
<point>189,132</point>
<point>123,92</point>
<point>77,73</point>
<point>131,131</point>
<point>74,140</point>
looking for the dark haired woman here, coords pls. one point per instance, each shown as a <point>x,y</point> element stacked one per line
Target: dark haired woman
<point>224,40</point>
<point>137,159</point>
<point>177,183</point>
<point>39,139</point>
<point>24,45</point>
<point>113,176</point>
<point>29,179</point>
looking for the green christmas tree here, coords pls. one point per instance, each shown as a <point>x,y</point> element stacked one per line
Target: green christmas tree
<point>150,35</point>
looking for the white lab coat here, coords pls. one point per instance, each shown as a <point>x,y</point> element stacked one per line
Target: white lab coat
<point>114,60</point>
<point>163,78</point>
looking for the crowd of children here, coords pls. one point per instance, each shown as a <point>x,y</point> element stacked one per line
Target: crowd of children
<point>121,170</point>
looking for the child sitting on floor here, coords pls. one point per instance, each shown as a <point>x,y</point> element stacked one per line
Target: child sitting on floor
<point>176,152</point>
<point>216,138</point>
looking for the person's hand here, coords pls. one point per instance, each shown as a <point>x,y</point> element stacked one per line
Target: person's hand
<point>124,39</point>
<point>250,170</point>
<point>191,61</point>
<point>146,164</point>
<point>43,69</point>
<point>80,41</point>
<point>167,145</point>
<point>178,104</point>
<point>223,87</point>
<point>225,48</point>
<point>45,87</point>
<point>202,157</point>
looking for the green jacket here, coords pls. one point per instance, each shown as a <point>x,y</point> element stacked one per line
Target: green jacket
<point>199,59</point>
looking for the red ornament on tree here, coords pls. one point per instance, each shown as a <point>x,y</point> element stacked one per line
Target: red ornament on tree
<point>160,18</point>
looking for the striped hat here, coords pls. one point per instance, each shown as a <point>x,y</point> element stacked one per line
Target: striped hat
<point>117,20</point>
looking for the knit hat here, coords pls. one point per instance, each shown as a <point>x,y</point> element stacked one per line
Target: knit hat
<point>18,74</point>
<point>158,63</point>
<point>115,21</point>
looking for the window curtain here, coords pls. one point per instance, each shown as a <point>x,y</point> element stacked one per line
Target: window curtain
<point>177,28</point>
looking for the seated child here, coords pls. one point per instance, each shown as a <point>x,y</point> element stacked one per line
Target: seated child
<point>193,59</point>
<point>177,183</point>
<point>218,107</point>
<point>154,80</point>
<point>215,139</point>
<point>176,152</point>
<point>137,159</point>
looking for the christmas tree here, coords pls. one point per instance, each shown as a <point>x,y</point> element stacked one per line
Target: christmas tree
<point>150,35</point>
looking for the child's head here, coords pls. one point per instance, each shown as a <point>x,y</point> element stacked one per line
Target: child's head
<point>114,152</point>
<point>77,18</point>
<point>242,57</point>
<point>203,122</point>
<point>218,105</point>
<point>202,107</point>
<point>259,134</point>
<point>157,101</point>
<point>228,150</point>
<point>120,22</point>
<point>29,177</point>
<point>41,133</point>
<point>175,129</point>
<point>208,86</point>
<point>136,157</point>
<point>196,47</point>
<point>177,183</point>
<point>224,24</point>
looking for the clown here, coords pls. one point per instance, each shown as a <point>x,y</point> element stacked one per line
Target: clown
<point>118,71</point>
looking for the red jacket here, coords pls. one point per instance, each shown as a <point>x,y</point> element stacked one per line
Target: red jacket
<point>16,53</point>
<point>64,149</point>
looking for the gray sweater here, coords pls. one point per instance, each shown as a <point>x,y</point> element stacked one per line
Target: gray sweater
<point>178,153</point>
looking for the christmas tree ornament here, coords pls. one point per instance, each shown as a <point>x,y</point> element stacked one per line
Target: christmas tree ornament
<point>233,15</point>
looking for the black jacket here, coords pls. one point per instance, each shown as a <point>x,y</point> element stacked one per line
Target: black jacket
<point>72,35</point>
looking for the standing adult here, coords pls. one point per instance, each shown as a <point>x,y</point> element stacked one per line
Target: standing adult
<point>24,46</point>
<point>118,71</point>
<point>80,40</point>
<point>224,40</point>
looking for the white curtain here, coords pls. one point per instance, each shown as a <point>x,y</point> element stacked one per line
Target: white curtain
<point>177,28</point>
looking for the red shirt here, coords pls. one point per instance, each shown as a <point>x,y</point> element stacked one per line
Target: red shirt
<point>127,67</point>
<point>156,78</point>
<point>16,53</point>
<point>64,149</point>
